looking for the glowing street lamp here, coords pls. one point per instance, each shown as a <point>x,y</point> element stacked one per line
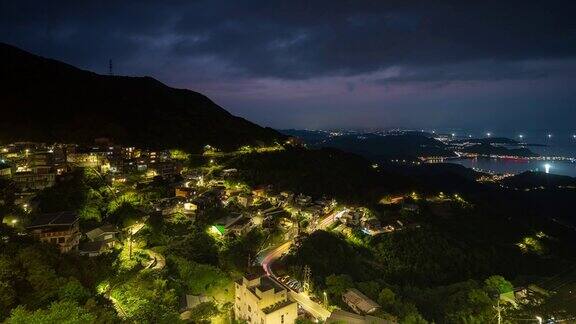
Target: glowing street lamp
<point>547,167</point>
<point>549,135</point>
<point>521,136</point>
<point>488,134</point>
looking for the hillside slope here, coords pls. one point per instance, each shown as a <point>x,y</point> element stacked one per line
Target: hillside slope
<point>47,100</point>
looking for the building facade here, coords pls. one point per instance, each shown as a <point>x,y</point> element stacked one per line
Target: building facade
<point>61,229</point>
<point>261,300</point>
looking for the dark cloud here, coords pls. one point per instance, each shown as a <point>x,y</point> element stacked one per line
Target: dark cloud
<point>480,71</point>
<point>236,43</point>
<point>298,39</point>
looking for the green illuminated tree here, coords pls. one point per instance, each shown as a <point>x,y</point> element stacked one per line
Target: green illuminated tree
<point>59,312</point>
<point>336,285</point>
<point>73,291</point>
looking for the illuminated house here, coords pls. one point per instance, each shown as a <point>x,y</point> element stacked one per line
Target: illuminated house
<point>33,181</point>
<point>261,300</point>
<point>57,228</point>
<point>95,160</point>
<point>359,302</point>
<point>101,239</point>
<point>6,169</point>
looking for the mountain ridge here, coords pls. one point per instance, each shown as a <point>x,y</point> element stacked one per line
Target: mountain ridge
<point>48,100</point>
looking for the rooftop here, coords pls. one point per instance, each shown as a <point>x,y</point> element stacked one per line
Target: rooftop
<point>65,218</point>
<point>277,306</point>
<point>93,234</point>
<point>266,284</point>
<point>365,304</point>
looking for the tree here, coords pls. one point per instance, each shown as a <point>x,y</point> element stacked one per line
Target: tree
<point>8,268</point>
<point>65,312</point>
<point>203,312</point>
<point>413,318</point>
<point>199,278</point>
<point>38,262</point>
<point>336,285</point>
<point>369,288</point>
<point>386,298</point>
<point>73,291</point>
<point>7,298</point>
<point>7,193</point>
<point>498,285</point>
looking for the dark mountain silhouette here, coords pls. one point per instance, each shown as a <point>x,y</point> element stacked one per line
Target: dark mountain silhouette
<point>531,180</point>
<point>46,100</point>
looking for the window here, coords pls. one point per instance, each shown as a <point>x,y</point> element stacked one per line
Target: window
<point>61,239</point>
<point>282,319</point>
<point>53,240</point>
<point>249,308</point>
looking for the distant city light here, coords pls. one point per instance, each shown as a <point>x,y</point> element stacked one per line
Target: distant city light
<point>488,134</point>
<point>549,135</point>
<point>453,134</point>
<point>521,136</point>
<point>574,136</point>
<point>469,136</point>
<point>547,167</point>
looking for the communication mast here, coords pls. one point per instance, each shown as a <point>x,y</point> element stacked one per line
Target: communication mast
<point>110,71</point>
<point>307,274</point>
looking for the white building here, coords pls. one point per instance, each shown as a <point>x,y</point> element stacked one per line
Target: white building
<point>261,300</point>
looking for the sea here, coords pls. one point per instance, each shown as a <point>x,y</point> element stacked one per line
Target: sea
<point>547,143</point>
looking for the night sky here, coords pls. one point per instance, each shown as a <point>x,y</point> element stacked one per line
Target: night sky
<point>328,63</point>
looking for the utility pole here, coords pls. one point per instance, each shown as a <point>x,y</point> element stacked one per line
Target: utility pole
<point>130,246</point>
<point>498,310</point>
<point>307,275</point>
<point>110,71</point>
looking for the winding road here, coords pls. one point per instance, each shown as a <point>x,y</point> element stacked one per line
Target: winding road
<point>312,307</point>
